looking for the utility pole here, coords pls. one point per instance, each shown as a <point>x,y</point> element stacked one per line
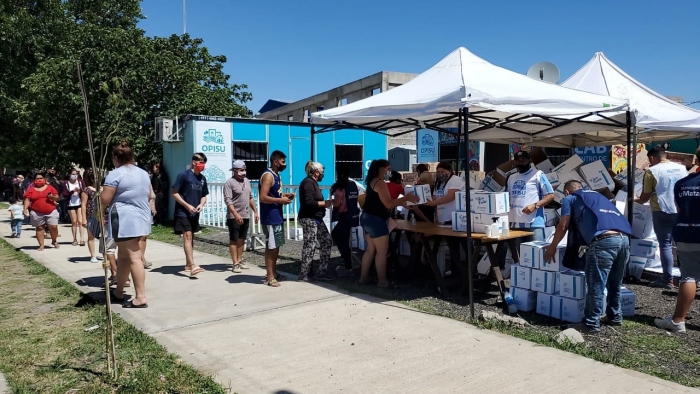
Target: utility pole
<point>184,17</point>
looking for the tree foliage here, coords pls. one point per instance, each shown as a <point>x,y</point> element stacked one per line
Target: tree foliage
<point>130,79</point>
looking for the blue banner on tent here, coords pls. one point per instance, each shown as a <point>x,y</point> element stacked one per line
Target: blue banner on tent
<point>426,146</point>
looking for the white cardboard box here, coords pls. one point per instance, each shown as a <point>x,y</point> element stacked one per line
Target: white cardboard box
<point>643,247</point>
<point>572,310</point>
<point>597,176</point>
<point>491,185</point>
<point>532,253</point>
<point>636,266</point>
<point>484,265</point>
<point>358,238</point>
<point>423,193</point>
<point>524,299</point>
<point>628,300</point>
<point>461,202</point>
<point>490,203</point>
<point>543,281</point>
<point>545,166</point>
<point>572,284</point>
<point>459,221</point>
<point>556,265</point>
<point>549,305</point>
<point>638,176</point>
<point>571,164</point>
<point>551,217</point>
<point>642,225</point>
<point>553,178</point>
<point>480,220</point>
<point>549,233</point>
<point>520,276</point>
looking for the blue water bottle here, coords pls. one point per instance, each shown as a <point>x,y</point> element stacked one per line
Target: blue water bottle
<point>511,303</point>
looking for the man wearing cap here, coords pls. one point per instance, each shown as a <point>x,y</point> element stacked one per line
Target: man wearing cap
<point>659,181</point>
<point>239,201</point>
<point>529,191</point>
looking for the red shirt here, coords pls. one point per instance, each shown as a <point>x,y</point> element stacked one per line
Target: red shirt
<point>39,201</point>
<point>394,190</point>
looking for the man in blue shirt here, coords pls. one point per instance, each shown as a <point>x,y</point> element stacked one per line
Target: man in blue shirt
<point>604,234</point>
<point>686,233</point>
<point>190,193</point>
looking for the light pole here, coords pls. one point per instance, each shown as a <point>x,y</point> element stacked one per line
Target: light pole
<point>184,17</point>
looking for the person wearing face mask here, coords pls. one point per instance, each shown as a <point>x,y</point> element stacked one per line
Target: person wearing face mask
<point>446,186</point>
<point>271,217</point>
<point>373,220</point>
<point>40,200</point>
<point>529,191</point>
<point>238,196</point>
<point>311,213</point>
<point>190,193</point>
<point>159,184</point>
<point>72,188</point>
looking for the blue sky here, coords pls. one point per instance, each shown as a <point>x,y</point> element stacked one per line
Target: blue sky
<point>289,50</point>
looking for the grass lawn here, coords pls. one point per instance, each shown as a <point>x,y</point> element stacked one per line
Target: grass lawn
<point>44,347</point>
<point>4,205</point>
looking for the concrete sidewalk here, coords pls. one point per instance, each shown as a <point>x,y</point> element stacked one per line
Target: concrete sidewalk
<point>307,338</point>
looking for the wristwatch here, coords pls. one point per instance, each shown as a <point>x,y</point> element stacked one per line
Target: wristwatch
<point>537,205</point>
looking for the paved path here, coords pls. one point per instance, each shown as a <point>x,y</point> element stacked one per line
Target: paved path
<point>4,387</point>
<point>306,338</point>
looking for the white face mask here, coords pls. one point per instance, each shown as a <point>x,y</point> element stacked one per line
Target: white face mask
<point>241,174</point>
<point>73,177</point>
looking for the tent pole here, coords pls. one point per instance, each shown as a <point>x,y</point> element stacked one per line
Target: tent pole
<point>630,172</point>
<point>464,125</point>
<point>313,132</point>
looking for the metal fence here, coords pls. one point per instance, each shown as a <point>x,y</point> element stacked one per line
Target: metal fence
<point>214,212</point>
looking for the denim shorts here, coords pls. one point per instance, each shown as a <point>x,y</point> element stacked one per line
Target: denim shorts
<point>374,226</point>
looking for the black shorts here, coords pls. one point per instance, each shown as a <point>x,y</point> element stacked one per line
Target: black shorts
<point>237,231</point>
<point>73,208</point>
<point>186,224</point>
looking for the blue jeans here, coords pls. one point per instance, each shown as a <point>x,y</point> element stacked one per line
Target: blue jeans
<point>663,227</point>
<point>16,225</point>
<point>537,236</point>
<point>605,265</point>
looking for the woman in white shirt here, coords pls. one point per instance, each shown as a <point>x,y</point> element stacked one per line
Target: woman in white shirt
<point>446,186</point>
<point>72,189</point>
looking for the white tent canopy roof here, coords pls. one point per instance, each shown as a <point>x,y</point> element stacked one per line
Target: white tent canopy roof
<point>653,111</point>
<point>504,106</point>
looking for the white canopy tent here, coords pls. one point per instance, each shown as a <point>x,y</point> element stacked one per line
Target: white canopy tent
<point>503,106</point>
<point>654,112</point>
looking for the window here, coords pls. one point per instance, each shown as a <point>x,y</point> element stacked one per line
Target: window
<point>290,118</point>
<point>255,156</point>
<point>352,157</point>
<point>376,91</point>
<point>342,101</point>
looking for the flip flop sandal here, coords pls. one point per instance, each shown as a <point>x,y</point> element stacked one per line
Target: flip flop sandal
<point>82,243</point>
<point>130,304</point>
<point>196,270</point>
<point>113,297</point>
<point>236,269</point>
<point>273,283</point>
<point>75,243</point>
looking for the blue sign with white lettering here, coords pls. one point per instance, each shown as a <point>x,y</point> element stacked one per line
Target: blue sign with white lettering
<point>590,154</point>
<point>426,146</point>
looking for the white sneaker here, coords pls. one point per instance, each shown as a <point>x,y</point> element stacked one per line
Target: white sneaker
<point>668,324</point>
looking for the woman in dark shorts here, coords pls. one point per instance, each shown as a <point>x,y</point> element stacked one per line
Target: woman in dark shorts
<point>72,189</point>
<point>375,213</point>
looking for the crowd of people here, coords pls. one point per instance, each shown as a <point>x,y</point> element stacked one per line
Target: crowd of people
<point>597,241</point>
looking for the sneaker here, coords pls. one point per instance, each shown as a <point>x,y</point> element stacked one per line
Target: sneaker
<point>94,260</point>
<point>236,269</point>
<point>662,284</point>
<point>669,325</point>
<point>147,264</point>
<point>342,271</point>
<point>243,266</point>
<point>584,329</point>
<point>324,277</point>
<point>609,322</point>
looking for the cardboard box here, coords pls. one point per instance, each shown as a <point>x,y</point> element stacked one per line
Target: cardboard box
<point>607,193</point>
<point>507,168</point>
<point>484,265</point>
<point>571,164</point>
<point>628,300</point>
<point>532,253</point>
<point>475,178</point>
<point>597,176</point>
<point>551,217</point>
<point>423,193</point>
<point>549,233</point>
<point>358,238</point>
<point>524,299</point>
<point>490,203</point>
<point>642,225</point>
<point>636,266</point>
<point>461,202</point>
<point>565,177</point>
<point>459,221</point>
<point>643,248</point>
<point>409,178</point>
<point>571,309</point>
<point>638,176</point>
<point>572,284</point>
<point>520,276</point>
<point>549,305</point>
<point>546,166</point>
<point>543,281</point>
<point>444,255</point>
<point>553,178</point>
<point>493,182</point>
<point>481,220</point>
<point>556,265</point>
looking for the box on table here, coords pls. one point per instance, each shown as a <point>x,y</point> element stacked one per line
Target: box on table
<point>597,176</point>
<point>525,300</point>
<point>520,276</point>
<point>555,265</point>
<point>636,266</point>
<point>459,221</point>
<point>549,305</point>
<point>572,284</point>
<point>532,253</point>
<point>481,220</point>
<point>423,193</point>
<point>461,201</point>
<point>572,309</point>
<point>642,225</point>
<point>628,300</point>
<point>490,203</point>
<point>493,182</point>
<point>643,248</point>
<point>571,164</point>
<point>543,281</point>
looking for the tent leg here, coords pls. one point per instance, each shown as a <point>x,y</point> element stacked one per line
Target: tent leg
<point>313,132</point>
<point>630,170</point>
<point>464,125</point>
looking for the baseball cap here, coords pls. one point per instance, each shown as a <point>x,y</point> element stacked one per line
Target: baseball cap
<point>238,164</point>
<point>522,154</point>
